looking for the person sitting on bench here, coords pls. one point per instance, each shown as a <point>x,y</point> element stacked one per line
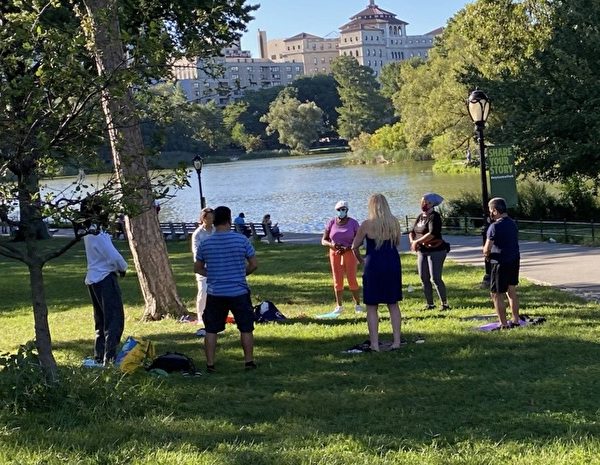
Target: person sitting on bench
<point>269,226</point>
<point>240,225</point>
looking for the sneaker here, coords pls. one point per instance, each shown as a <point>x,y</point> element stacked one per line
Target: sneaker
<point>445,307</point>
<point>250,365</point>
<point>337,310</point>
<point>92,363</point>
<point>201,332</point>
<point>211,369</point>
<point>429,307</point>
<point>358,308</point>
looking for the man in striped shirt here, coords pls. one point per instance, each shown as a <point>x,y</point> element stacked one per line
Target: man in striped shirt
<point>226,258</point>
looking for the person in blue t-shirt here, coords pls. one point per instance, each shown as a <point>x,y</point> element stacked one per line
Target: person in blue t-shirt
<point>226,258</point>
<point>241,226</point>
<point>502,250</point>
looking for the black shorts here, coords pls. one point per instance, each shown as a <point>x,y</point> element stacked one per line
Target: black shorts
<point>217,308</point>
<point>503,275</point>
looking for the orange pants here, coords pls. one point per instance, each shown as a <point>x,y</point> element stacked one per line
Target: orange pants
<point>344,264</point>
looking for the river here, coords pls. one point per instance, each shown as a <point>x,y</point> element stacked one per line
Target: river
<point>300,192</point>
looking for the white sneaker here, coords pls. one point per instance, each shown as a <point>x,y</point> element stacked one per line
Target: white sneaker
<point>91,363</point>
<point>337,310</point>
<point>358,308</point>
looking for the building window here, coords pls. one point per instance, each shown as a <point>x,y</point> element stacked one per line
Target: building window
<point>196,85</point>
<point>288,68</point>
<point>275,69</point>
<point>324,70</point>
<point>316,70</point>
<point>350,39</point>
<point>276,76</point>
<point>235,76</point>
<point>369,63</point>
<point>322,60</point>
<point>289,76</point>
<point>297,69</point>
<point>315,60</point>
<point>235,68</point>
<point>368,52</point>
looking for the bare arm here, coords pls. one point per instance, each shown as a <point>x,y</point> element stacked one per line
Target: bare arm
<point>358,240</point>
<point>487,248</point>
<point>200,267</point>
<point>326,240</point>
<point>252,265</point>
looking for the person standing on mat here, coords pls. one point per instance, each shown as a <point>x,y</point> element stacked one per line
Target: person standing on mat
<point>502,250</point>
<point>205,228</point>
<point>338,236</point>
<point>226,258</point>
<point>426,240</point>
<point>104,265</point>
<point>382,273</point>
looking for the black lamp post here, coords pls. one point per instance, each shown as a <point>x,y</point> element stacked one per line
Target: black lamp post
<point>478,105</point>
<point>198,162</point>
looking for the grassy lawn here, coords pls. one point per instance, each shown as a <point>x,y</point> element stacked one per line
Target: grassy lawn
<point>525,396</point>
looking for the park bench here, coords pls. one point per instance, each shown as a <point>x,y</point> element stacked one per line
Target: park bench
<point>177,230</point>
<point>258,231</point>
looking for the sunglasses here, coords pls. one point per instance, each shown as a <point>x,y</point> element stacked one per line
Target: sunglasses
<point>343,209</point>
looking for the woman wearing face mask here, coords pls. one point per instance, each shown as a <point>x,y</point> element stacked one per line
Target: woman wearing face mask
<point>426,240</point>
<point>204,229</point>
<point>338,236</point>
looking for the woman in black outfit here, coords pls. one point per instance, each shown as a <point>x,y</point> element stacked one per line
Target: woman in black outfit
<point>426,240</point>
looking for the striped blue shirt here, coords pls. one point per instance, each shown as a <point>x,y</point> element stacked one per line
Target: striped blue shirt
<point>224,254</point>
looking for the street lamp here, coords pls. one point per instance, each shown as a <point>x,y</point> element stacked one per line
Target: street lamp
<point>478,105</point>
<point>198,162</point>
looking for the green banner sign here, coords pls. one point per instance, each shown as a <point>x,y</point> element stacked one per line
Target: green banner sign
<point>501,163</point>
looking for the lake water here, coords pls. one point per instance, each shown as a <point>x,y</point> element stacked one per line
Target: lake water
<point>300,192</point>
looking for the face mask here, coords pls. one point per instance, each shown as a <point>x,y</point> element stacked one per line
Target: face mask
<point>341,213</point>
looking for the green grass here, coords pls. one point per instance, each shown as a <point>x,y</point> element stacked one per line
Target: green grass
<point>527,396</point>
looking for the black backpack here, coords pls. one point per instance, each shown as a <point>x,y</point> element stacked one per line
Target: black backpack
<point>173,362</point>
<point>267,311</point>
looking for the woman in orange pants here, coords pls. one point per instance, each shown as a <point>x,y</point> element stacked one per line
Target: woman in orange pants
<point>338,236</point>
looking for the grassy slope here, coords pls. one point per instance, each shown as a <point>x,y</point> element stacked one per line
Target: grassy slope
<point>527,396</point>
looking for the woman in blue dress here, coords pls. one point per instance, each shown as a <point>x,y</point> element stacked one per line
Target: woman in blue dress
<point>382,273</point>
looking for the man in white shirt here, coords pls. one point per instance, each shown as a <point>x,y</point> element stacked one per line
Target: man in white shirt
<point>104,262</point>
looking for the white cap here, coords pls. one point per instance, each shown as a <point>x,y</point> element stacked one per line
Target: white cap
<point>341,204</point>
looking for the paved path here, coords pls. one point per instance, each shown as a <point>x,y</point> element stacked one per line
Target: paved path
<point>572,268</point>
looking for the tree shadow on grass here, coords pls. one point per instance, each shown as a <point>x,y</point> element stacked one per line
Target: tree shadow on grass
<point>524,386</point>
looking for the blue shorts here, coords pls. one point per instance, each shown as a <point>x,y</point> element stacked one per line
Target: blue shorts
<point>503,275</point>
<point>217,308</point>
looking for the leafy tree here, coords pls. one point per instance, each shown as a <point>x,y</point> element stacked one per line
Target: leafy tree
<point>49,117</point>
<point>154,33</point>
<point>298,124</point>
<point>239,134</point>
<point>487,39</point>
<point>321,89</point>
<point>258,102</point>
<point>363,108</point>
<point>548,106</point>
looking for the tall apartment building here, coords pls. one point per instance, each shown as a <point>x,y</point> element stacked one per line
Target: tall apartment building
<point>373,36</point>
<point>315,53</point>
<point>224,79</point>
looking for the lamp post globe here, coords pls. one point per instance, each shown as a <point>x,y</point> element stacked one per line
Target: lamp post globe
<point>198,161</point>
<point>478,105</point>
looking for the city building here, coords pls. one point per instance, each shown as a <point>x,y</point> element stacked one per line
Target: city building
<point>373,36</point>
<point>224,79</point>
<point>315,53</point>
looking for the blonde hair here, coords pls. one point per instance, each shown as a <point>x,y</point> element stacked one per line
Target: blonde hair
<point>384,225</point>
<point>203,213</point>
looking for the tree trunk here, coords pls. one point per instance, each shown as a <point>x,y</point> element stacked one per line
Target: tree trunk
<point>143,230</point>
<point>29,219</point>
<point>43,341</point>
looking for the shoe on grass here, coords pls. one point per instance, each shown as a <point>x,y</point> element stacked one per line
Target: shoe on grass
<point>429,307</point>
<point>338,309</point>
<point>358,308</point>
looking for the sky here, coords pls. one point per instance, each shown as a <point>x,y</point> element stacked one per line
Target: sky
<point>286,18</point>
